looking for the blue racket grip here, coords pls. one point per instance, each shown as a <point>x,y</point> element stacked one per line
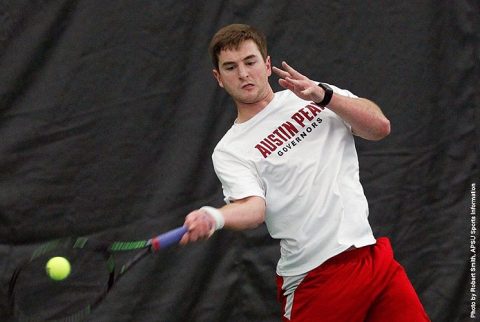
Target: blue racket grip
<point>169,238</point>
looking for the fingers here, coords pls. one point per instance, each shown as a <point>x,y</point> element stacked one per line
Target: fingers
<point>292,71</point>
<point>291,79</point>
<point>295,85</point>
<point>200,226</point>
<point>287,71</point>
<point>286,84</point>
<point>280,73</point>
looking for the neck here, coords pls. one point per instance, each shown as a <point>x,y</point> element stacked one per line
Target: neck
<point>245,111</point>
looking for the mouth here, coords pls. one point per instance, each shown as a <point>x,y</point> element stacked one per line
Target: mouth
<point>248,86</point>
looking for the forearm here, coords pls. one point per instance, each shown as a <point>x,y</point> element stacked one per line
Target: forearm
<point>364,116</point>
<point>243,214</point>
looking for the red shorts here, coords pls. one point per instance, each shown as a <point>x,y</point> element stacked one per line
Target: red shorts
<point>361,285</point>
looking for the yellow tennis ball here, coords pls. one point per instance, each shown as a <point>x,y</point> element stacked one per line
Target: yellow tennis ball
<point>58,268</point>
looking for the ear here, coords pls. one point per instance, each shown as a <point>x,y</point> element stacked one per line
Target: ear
<point>218,77</point>
<point>268,63</point>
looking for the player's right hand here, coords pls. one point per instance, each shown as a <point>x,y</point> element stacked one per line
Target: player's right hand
<point>200,226</point>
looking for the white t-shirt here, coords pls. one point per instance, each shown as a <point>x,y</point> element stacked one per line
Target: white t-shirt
<point>302,160</point>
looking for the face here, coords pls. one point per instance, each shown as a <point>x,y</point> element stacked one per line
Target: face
<point>243,73</point>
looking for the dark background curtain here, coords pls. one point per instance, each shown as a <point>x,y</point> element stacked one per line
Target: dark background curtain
<point>109,115</point>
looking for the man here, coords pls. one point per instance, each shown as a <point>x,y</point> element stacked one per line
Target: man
<point>289,160</point>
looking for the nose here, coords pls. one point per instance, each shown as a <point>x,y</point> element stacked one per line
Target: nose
<point>242,71</point>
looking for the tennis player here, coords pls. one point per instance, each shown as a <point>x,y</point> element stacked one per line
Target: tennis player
<point>289,160</point>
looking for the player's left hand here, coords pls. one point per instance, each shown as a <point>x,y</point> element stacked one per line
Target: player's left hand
<point>299,84</point>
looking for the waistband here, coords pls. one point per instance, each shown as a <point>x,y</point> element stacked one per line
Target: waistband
<point>356,254</point>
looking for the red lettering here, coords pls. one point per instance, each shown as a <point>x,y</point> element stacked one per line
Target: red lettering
<point>292,130</point>
<point>275,139</point>
<point>265,153</point>
<point>277,132</point>
<point>314,109</point>
<point>305,113</point>
<point>266,142</point>
<point>288,130</point>
<point>299,119</point>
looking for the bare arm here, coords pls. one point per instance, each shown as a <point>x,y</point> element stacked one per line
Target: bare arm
<point>245,213</point>
<point>242,214</point>
<point>365,117</point>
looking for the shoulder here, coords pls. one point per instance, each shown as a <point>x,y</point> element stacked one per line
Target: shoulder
<point>226,147</point>
<point>283,96</point>
<point>225,141</point>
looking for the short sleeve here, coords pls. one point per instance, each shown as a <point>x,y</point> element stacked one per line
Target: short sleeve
<point>238,176</point>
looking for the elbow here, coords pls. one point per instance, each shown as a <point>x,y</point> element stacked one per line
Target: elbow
<point>382,130</point>
<point>260,220</point>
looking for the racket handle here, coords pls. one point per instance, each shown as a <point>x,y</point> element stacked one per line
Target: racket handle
<point>169,238</point>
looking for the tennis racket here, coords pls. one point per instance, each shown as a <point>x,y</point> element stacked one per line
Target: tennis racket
<point>36,297</point>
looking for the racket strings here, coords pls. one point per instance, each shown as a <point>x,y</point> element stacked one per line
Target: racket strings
<point>36,297</point>
<point>76,317</point>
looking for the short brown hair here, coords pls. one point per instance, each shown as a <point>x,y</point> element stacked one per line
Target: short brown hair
<point>231,36</point>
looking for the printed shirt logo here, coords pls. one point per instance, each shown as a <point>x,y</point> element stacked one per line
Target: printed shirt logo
<point>282,135</point>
